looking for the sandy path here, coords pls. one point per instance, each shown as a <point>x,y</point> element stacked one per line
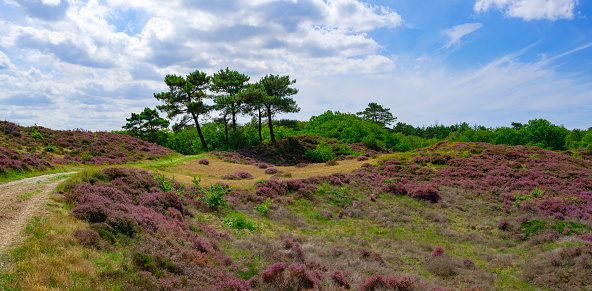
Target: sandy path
<point>21,200</point>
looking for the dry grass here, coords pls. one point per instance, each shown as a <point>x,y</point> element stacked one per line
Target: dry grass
<point>184,172</point>
<point>50,258</point>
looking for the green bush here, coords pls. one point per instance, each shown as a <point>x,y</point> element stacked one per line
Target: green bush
<point>263,208</point>
<point>215,197</point>
<point>324,152</point>
<point>239,221</point>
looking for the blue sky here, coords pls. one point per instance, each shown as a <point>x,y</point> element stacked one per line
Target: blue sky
<point>68,64</point>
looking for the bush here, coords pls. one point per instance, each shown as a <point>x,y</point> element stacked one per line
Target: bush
<point>203,162</point>
<point>244,175</point>
<point>263,208</point>
<point>88,238</point>
<point>239,221</point>
<point>324,152</point>
<point>271,171</point>
<point>362,158</point>
<point>438,251</point>
<point>426,192</point>
<point>214,198</point>
<point>331,163</point>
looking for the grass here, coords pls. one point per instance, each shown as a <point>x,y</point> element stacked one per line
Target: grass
<point>403,231</point>
<point>17,175</point>
<point>51,258</point>
<point>185,169</point>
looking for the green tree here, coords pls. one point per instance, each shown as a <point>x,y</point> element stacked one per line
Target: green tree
<point>277,98</point>
<point>542,133</point>
<point>186,97</point>
<point>253,97</point>
<point>146,124</point>
<point>378,114</point>
<point>230,83</point>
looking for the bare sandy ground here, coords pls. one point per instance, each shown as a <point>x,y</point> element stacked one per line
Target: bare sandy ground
<point>21,200</point>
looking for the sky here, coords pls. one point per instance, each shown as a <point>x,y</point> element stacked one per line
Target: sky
<point>67,64</point>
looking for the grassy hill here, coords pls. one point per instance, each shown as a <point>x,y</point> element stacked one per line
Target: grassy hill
<point>32,149</point>
<point>465,216</point>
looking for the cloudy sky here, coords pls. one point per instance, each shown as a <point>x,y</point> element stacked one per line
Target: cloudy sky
<point>68,64</point>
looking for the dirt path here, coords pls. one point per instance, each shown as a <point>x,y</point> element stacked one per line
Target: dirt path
<point>20,201</point>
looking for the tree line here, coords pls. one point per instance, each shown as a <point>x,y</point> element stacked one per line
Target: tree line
<point>232,96</point>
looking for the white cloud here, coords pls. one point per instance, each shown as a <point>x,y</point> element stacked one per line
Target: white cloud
<point>4,61</point>
<point>81,60</point>
<point>530,9</point>
<point>51,2</point>
<point>457,32</point>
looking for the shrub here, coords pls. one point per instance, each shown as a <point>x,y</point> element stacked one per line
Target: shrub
<point>442,266</point>
<point>324,152</point>
<point>362,158</point>
<point>203,162</point>
<point>468,263</point>
<point>331,163</point>
<point>377,282</point>
<point>300,278</point>
<point>504,224</point>
<point>438,251</point>
<point>274,275</point>
<point>340,280</point>
<point>263,208</point>
<point>244,175</point>
<point>214,198</point>
<point>301,165</point>
<point>271,171</point>
<point>88,238</point>
<point>262,165</point>
<point>239,221</point>
<point>426,192</point>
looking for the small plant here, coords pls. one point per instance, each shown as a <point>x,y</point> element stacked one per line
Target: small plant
<point>537,192</point>
<point>196,181</point>
<point>50,149</point>
<point>203,162</point>
<point>35,133</point>
<point>438,251</point>
<point>215,197</point>
<point>520,198</point>
<point>263,208</point>
<point>239,221</point>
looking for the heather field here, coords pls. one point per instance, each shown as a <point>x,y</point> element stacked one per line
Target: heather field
<point>34,150</point>
<point>453,216</point>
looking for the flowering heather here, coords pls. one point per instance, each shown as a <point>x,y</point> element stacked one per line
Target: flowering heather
<point>165,252</point>
<point>378,282</point>
<point>271,171</point>
<point>203,162</point>
<point>63,147</point>
<point>438,251</point>
<point>562,183</point>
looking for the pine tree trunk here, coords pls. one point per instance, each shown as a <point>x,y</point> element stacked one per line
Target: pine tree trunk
<point>270,124</point>
<point>260,136</point>
<point>201,137</point>
<point>226,131</point>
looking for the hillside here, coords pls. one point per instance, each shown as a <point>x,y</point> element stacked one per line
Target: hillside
<point>26,149</point>
<point>464,216</point>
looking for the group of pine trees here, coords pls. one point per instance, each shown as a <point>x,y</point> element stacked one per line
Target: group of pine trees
<point>232,95</point>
